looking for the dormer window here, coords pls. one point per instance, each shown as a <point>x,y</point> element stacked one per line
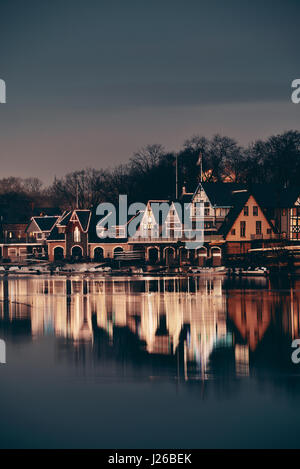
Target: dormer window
<point>77,235</point>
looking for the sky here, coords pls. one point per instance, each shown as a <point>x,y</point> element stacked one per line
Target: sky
<point>89,82</point>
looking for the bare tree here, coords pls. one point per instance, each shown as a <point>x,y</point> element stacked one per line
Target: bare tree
<point>32,185</point>
<point>82,189</point>
<point>147,157</point>
<point>11,184</point>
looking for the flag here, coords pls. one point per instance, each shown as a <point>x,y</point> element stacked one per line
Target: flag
<point>199,161</point>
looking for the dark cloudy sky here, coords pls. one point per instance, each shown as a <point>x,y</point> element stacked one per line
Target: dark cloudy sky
<point>90,81</point>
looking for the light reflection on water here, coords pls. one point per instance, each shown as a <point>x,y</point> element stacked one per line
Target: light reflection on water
<point>184,331</point>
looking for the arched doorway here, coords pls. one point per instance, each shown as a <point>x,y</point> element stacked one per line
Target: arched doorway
<point>184,256</point>
<point>117,251</point>
<point>58,253</point>
<point>153,255</point>
<point>77,253</point>
<point>216,255</point>
<point>169,255</point>
<point>201,255</point>
<point>98,254</point>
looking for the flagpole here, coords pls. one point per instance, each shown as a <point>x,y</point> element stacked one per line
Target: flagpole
<point>199,163</point>
<point>77,195</point>
<point>176,177</point>
<point>201,173</point>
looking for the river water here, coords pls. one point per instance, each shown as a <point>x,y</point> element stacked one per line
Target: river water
<point>199,362</point>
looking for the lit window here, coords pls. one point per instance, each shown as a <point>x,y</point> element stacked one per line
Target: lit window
<point>258,227</point>
<point>77,235</point>
<point>243,229</point>
<point>295,223</point>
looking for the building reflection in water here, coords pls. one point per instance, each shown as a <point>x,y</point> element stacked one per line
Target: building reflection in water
<point>184,324</point>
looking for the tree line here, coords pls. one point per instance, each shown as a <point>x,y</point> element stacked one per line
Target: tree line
<point>151,171</point>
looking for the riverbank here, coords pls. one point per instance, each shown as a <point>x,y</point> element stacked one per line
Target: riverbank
<point>86,268</point>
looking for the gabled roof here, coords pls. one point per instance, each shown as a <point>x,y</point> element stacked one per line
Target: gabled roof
<point>149,205</point>
<point>239,201</point>
<point>220,194</point>
<point>83,217</point>
<point>65,218</point>
<point>161,221</point>
<point>45,223</point>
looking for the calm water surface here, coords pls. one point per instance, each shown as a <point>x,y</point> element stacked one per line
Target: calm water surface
<point>160,363</point>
